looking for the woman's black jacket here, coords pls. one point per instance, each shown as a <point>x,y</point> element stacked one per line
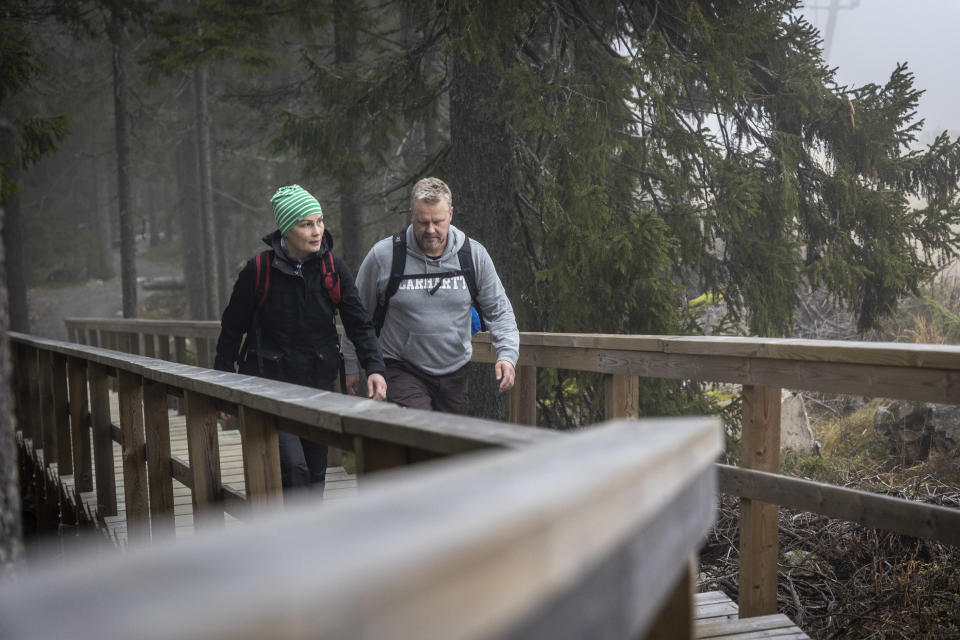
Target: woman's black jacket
<point>293,336</point>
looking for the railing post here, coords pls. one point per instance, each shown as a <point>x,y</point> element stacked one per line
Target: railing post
<point>203,352</point>
<point>149,345</point>
<point>523,398</point>
<point>180,349</point>
<point>61,413</point>
<point>676,619</point>
<point>102,440</point>
<point>378,455</point>
<point>159,477</point>
<point>760,450</point>
<point>21,387</point>
<point>164,347</point>
<point>80,426</point>
<point>204,450</point>
<point>621,396</point>
<point>49,437</point>
<point>261,457</point>
<point>134,454</point>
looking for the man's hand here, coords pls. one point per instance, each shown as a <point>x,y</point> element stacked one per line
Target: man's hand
<point>506,375</point>
<point>352,380</point>
<point>376,386</point>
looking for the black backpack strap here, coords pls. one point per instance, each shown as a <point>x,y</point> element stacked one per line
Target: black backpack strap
<point>465,256</point>
<point>397,267</point>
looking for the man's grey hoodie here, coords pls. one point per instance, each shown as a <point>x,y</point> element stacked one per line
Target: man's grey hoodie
<point>432,331</point>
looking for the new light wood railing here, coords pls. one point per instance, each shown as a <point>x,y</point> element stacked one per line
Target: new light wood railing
<point>763,366</point>
<point>510,544</point>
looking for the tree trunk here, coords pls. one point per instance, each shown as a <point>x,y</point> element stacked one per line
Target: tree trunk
<point>16,277</point>
<point>128,248</point>
<point>104,266</point>
<point>482,183</point>
<point>11,528</point>
<point>189,214</point>
<point>205,175</point>
<point>349,191</point>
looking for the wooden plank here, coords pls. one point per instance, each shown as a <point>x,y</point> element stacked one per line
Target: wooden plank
<point>61,413</point>
<point>888,513</point>
<point>675,621</point>
<point>203,353</point>
<point>758,520</point>
<point>204,460</point>
<point>523,398</point>
<point>491,547</point>
<point>159,477</point>
<point>149,345</point>
<point>102,440</point>
<point>621,396</point>
<point>164,346</point>
<point>376,455</point>
<point>133,441</point>
<point>261,457</point>
<point>780,626</point>
<point>47,423</point>
<point>180,349</point>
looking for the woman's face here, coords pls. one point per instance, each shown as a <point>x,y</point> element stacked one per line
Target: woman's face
<point>305,237</point>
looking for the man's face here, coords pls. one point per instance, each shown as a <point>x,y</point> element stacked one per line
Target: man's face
<point>431,223</point>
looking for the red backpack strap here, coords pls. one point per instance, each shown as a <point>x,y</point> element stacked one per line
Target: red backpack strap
<point>261,294</point>
<point>331,279</point>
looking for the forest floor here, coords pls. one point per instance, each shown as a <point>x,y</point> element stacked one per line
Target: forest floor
<point>49,306</point>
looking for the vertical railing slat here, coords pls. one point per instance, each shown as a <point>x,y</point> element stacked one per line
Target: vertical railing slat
<point>523,398</point>
<point>80,426</point>
<point>758,520</point>
<point>61,413</point>
<point>261,457</point>
<point>203,448</point>
<point>134,456</point>
<point>102,440</point>
<point>159,478</point>
<point>621,396</point>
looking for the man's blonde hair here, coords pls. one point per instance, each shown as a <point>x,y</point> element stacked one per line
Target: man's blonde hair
<point>430,190</point>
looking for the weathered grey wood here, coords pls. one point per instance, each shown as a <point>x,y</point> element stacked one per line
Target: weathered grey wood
<point>203,352</point>
<point>164,346</point>
<point>102,439</point>
<point>879,511</point>
<point>482,548</point>
<point>134,453</point>
<point>46,424</point>
<point>204,453</point>
<point>377,455</point>
<point>261,457</point>
<point>149,345</point>
<point>80,426</point>
<point>159,477</point>
<point>61,413</point>
<point>621,396</point>
<point>523,398</point>
<point>675,620</point>
<point>760,449</point>
<point>180,349</point>
<point>747,627</point>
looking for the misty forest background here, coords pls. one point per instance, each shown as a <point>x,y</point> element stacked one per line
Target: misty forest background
<point>646,167</point>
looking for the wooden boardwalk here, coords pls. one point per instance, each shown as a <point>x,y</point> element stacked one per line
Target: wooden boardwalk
<point>716,615</point>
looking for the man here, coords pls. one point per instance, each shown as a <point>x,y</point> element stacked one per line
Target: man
<point>424,326</point>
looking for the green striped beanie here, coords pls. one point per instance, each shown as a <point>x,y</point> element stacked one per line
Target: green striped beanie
<point>292,204</point>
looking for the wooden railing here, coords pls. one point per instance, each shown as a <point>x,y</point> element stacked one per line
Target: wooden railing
<point>763,366</point>
<point>510,544</point>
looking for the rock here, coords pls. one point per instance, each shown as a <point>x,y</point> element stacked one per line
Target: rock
<point>914,430</point>
<point>795,431</point>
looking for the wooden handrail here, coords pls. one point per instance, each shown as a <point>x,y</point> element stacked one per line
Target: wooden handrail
<point>764,366</point>
<point>501,544</point>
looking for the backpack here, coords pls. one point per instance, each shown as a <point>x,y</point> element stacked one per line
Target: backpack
<point>331,280</point>
<point>464,255</point>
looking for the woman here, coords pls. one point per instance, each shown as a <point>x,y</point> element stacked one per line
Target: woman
<point>279,322</point>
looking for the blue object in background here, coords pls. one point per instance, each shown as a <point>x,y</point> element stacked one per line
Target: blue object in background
<point>474,321</point>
